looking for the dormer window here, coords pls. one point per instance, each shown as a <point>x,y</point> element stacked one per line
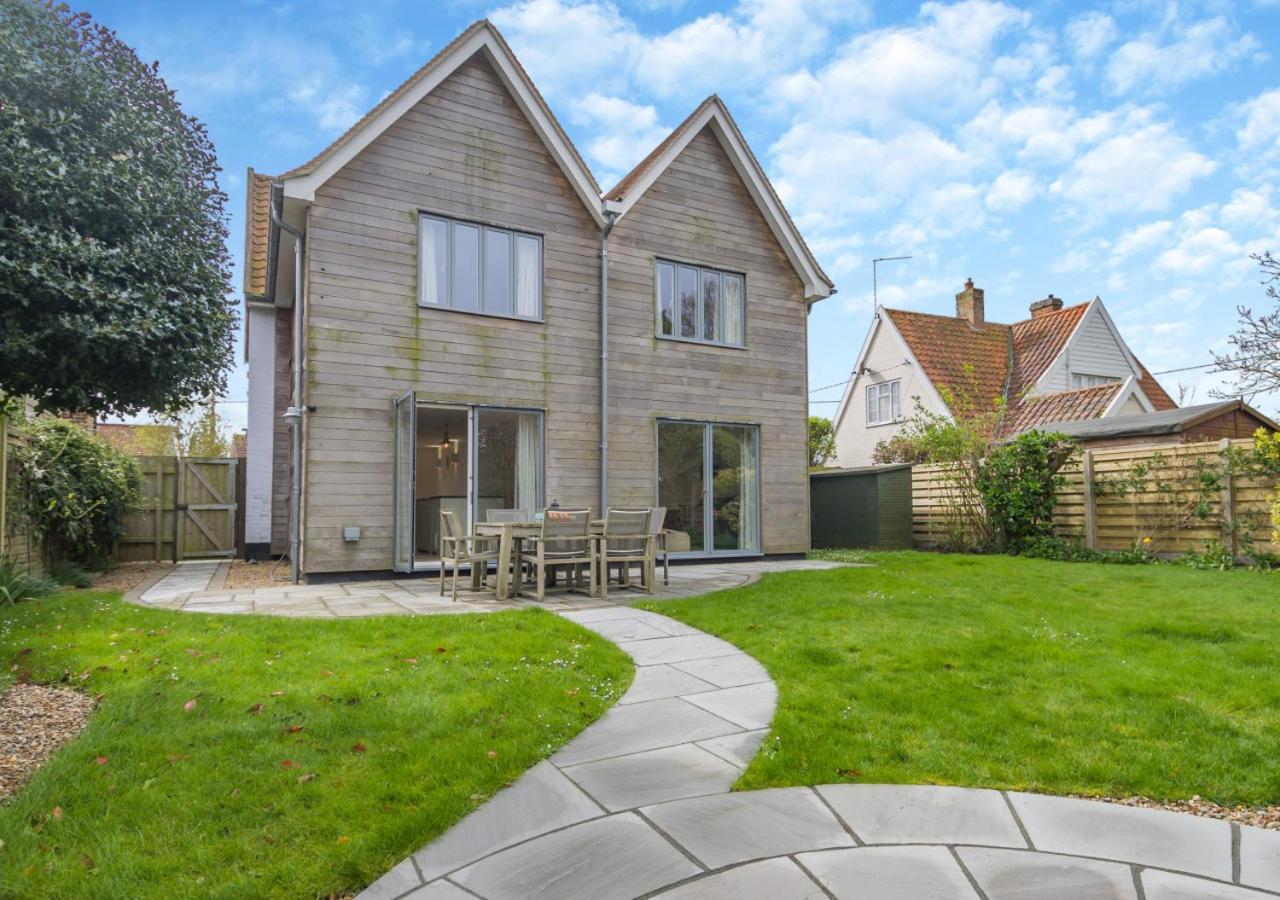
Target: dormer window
<point>1082,380</point>
<point>884,402</point>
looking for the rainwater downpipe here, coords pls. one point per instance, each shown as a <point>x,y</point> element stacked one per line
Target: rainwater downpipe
<point>297,411</point>
<point>610,218</point>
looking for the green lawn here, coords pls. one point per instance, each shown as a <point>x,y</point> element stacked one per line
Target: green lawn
<point>1014,673</point>
<point>317,754</point>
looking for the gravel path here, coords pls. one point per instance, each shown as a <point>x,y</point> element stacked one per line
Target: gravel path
<point>36,720</point>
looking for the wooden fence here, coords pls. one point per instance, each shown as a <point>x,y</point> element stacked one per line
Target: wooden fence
<point>189,510</point>
<point>1116,496</point>
<point>17,544</point>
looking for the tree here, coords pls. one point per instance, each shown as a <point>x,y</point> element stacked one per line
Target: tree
<point>114,274</point>
<point>822,441</point>
<point>1254,359</point>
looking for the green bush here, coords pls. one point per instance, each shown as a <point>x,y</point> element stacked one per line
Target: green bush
<point>17,586</point>
<point>68,574</point>
<point>1018,483</point>
<point>1063,550</point>
<point>74,489</point>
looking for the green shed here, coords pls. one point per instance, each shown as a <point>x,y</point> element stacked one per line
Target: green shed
<point>865,507</point>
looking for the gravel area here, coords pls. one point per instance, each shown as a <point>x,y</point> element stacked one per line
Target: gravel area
<point>1258,816</point>
<point>248,574</point>
<point>36,720</point>
<point>127,576</point>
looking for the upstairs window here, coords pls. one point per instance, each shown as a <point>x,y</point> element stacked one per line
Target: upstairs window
<point>1081,380</point>
<point>701,305</point>
<point>884,402</point>
<point>477,268</point>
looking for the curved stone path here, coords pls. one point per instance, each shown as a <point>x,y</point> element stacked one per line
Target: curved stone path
<point>638,805</point>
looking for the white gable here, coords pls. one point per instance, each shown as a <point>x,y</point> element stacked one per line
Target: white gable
<point>1094,348</point>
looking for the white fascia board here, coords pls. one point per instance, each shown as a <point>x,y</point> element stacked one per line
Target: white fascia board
<point>303,187</point>
<point>816,287</point>
<point>847,395</point>
<point>1115,333</point>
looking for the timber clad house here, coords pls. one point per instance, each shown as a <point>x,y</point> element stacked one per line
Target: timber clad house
<point>1064,364</point>
<point>443,275</point>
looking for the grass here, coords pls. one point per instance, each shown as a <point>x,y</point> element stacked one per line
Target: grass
<point>1002,672</point>
<point>246,756</point>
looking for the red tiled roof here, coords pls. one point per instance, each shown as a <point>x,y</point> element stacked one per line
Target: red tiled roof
<point>970,363</point>
<point>1159,398</point>
<point>257,225</point>
<point>1037,343</point>
<point>1059,406</point>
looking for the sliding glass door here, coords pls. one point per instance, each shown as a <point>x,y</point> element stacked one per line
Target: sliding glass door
<point>465,460</point>
<point>709,481</point>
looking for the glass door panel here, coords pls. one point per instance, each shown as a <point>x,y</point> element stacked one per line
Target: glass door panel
<point>508,461</point>
<point>735,513</point>
<point>682,478</point>
<point>403,472</point>
<point>441,476</point>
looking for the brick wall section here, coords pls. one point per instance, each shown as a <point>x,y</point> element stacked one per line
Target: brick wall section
<point>282,442</point>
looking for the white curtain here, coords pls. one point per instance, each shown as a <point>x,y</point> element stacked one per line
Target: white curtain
<point>749,501</point>
<point>431,264</point>
<point>528,460</point>
<point>528,275</point>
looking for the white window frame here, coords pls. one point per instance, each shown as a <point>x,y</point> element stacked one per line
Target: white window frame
<point>894,390</point>
<point>1087,380</point>
<point>699,324</point>
<point>512,269</point>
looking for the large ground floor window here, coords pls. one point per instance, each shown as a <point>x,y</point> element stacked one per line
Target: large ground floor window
<point>466,460</point>
<point>709,481</point>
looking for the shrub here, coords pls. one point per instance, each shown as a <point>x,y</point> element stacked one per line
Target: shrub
<point>17,586</point>
<point>74,489</point>
<point>1063,550</point>
<point>68,574</point>
<point>1018,484</point>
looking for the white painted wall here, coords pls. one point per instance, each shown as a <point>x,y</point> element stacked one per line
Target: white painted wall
<point>261,325</point>
<point>886,359</point>
<point>1093,350</point>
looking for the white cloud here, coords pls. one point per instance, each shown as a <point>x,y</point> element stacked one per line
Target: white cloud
<point>1199,252</point>
<point>1140,239</point>
<point>1011,191</point>
<point>1091,34</point>
<point>1141,170</point>
<point>335,106</point>
<point>1151,65</point>
<point>623,132</point>
<point>567,45</point>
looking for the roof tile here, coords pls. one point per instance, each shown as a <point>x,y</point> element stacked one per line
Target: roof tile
<point>1059,406</point>
<point>257,229</point>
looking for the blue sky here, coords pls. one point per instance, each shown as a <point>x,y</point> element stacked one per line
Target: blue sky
<point>1129,150</point>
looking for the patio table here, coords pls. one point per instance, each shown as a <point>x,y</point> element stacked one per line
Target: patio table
<point>508,533</point>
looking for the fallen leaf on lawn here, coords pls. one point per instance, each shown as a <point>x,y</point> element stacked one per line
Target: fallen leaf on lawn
<point>492,754</point>
<point>84,675</point>
<point>571,693</point>
<point>326,674</point>
<point>102,760</point>
<point>303,779</point>
<point>410,660</point>
<point>57,812</point>
<point>255,709</point>
<point>441,650</point>
<point>358,747</point>
<point>286,764</point>
<point>189,705</point>
<point>277,693</point>
<point>293,729</point>
<point>235,792</point>
<point>848,773</point>
<point>178,757</point>
<point>86,860</point>
<point>344,839</point>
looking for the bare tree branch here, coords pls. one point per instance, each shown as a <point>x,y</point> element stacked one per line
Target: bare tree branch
<point>1254,360</point>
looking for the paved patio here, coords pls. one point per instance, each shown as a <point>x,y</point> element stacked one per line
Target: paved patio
<point>187,587</point>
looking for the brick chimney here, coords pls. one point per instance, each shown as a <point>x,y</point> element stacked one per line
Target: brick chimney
<point>969,305</point>
<point>1044,307</point>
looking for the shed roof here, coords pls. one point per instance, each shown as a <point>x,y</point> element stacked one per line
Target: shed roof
<point>1165,421</point>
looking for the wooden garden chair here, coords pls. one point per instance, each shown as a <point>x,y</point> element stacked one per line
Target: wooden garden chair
<point>565,540</point>
<point>627,539</point>
<point>457,548</point>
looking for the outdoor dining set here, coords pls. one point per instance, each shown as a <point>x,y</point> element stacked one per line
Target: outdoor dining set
<point>530,552</point>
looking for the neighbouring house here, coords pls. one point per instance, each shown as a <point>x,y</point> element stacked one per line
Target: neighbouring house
<point>132,439</point>
<point>1180,425</point>
<point>459,266</point>
<point>1064,363</point>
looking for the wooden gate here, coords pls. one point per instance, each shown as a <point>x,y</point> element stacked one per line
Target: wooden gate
<point>189,510</point>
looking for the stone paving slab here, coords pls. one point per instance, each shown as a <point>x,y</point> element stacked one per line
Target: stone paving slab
<point>632,629</point>
<point>541,800</point>
<point>1260,857</point>
<point>737,749</point>
<point>399,881</point>
<point>915,814</point>
<point>769,879</point>
<point>1153,837</point>
<point>643,726</point>
<point>685,648</point>
<point>627,782</point>
<point>750,706</point>
<point>660,682</point>
<point>890,873</point>
<point>1020,875</point>
<point>1158,885</point>
<point>730,828</point>
<point>439,890</point>
<point>726,671</point>
<point>616,857</point>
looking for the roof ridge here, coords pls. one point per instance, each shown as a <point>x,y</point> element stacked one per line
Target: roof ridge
<point>916,312</point>
<point>625,183</point>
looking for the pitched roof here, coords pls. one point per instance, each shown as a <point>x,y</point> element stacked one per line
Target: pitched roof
<point>1165,421</point>
<point>970,363</point>
<point>713,113</point>
<point>257,228</point>
<point>1059,406</point>
<point>1159,398</point>
<point>1037,342</point>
